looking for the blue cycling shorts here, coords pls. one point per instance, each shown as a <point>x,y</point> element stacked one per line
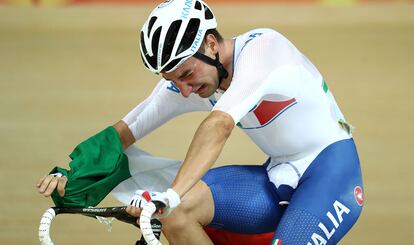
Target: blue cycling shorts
<point>322,209</point>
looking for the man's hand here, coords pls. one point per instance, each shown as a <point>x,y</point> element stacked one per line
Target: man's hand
<point>49,183</point>
<point>169,198</point>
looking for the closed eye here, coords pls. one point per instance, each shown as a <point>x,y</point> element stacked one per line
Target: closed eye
<point>185,75</point>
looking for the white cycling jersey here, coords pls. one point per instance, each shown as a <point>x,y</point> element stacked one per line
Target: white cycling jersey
<point>276,96</point>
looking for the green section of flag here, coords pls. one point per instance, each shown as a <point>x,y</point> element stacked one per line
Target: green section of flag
<point>325,86</point>
<point>98,165</point>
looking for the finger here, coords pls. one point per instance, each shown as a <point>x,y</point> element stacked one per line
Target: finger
<point>61,185</point>
<point>39,183</point>
<point>45,183</point>
<point>51,187</point>
<point>133,211</point>
<point>128,209</point>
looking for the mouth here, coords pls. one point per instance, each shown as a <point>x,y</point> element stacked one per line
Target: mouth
<point>200,89</point>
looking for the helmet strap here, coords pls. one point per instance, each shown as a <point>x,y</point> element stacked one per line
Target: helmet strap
<point>222,72</point>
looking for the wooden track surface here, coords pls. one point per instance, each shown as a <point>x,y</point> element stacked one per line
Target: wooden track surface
<point>66,73</point>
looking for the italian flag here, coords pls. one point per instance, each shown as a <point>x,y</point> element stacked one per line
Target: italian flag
<point>99,166</point>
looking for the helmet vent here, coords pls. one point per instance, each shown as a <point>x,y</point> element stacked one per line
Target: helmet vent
<point>171,65</point>
<point>143,61</point>
<point>208,14</point>
<point>151,24</point>
<point>152,60</point>
<point>197,5</point>
<point>189,35</point>
<point>170,40</point>
<point>144,49</point>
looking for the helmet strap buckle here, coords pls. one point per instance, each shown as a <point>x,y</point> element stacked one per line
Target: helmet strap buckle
<point>222,72</point>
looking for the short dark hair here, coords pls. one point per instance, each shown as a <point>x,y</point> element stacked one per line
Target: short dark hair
<point>216,34</point>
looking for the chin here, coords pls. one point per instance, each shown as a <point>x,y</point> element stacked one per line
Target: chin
<point>208,93</point>
<point>204,95</point>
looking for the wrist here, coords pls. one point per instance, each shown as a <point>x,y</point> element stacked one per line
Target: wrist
<point>173,198</point>
<point>125,135</point>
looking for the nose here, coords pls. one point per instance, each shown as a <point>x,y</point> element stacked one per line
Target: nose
<point>185,88</point>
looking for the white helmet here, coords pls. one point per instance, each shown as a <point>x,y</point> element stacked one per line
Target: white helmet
<point>174,32</point>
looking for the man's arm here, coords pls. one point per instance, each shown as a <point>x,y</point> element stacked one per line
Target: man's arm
<point>204,150</point>
<point>124,133</point>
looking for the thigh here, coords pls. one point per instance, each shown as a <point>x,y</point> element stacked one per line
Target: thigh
<point>328,200</point>
<point>243,200</point>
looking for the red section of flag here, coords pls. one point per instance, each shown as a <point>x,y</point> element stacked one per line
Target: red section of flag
<point>267,110</point>
<point>222,237</point>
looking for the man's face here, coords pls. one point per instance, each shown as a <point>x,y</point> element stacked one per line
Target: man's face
<point>194,76</point>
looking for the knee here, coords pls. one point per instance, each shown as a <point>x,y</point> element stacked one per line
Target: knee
<point>196,209</point>
<point>177,221</point>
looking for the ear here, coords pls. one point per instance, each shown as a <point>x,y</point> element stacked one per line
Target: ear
<point>211,43</point>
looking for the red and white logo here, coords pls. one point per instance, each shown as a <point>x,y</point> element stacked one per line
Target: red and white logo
<point>359,195</point>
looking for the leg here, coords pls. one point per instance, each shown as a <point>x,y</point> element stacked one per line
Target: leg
<point>328,200</point>
<point>245,211</point>
<point>237,203</point>
<point>185,224</point>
